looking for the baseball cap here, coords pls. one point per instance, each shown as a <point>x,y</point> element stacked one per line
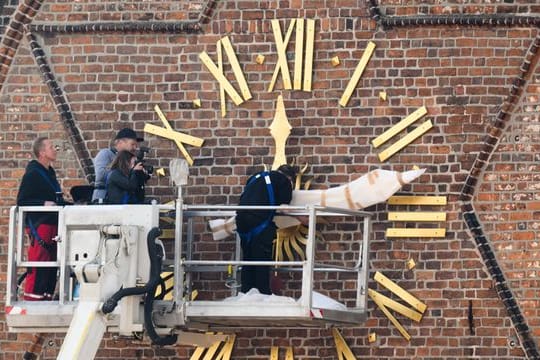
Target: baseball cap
<point>127,133</point>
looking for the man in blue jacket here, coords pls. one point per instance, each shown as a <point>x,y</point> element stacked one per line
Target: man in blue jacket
<point>256,227</point>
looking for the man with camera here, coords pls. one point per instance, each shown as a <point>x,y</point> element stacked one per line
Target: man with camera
<point>126,139</point>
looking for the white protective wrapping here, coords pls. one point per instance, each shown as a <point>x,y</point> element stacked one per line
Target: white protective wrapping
<point>374,187</point>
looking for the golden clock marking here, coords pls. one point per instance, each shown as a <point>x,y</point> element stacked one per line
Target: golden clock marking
<point>357,74</point>
<point>399,291</point>
<point>416,216</point>
<point>168,133</point>
<point>224,354</point>
<point>343,350</point>
<point>237,70</point>
<point>308,62</point>
<point>413,232</point>
<point>220,77</point>
<point>416,200</point>
<point>281,47</point>
<point>400,126</point>
<point>384,303</point>
<point>406,140</point>
<point>222,103</point>
<point>298,54</point>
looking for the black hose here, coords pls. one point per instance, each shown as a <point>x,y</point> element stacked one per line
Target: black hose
<point>155,252</point>
<point>110,304</point>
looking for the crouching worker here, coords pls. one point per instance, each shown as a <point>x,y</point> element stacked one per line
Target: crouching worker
<point>39,187</point>
<point>126,180</point>
<point>256,227</point>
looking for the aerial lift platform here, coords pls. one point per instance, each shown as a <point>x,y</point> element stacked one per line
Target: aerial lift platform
<point>116,255</point>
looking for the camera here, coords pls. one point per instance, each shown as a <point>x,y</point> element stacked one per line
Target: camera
<point>141,152</point>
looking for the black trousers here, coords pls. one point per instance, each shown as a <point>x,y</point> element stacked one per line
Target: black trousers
<point>258,248</point>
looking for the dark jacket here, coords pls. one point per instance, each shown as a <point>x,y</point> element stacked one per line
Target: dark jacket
<point>256,193</point>
<point>122,189</point>
<point>37,186</point>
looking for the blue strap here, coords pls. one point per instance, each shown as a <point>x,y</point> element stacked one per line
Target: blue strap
<point>271,199</point>
<point>54,184</point>
<point>36,236</point>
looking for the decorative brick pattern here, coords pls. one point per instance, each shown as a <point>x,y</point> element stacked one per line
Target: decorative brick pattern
<point>13,33</point>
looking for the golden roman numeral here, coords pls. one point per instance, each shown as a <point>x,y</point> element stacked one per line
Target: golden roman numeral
<point>383,302</point>
<point>217,72</point>
<point>304,28</point>
<point>357,74</point>
<point>168,133</point>
<point>224,354</point>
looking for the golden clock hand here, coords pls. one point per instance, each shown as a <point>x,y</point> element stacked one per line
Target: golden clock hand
<point>280,129</point>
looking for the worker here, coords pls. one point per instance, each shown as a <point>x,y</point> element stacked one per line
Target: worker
<point>256,228</point>
<point>126,139</point>
<point>39,187</point>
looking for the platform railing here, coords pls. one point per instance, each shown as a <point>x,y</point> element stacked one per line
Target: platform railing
<point>186,267</point>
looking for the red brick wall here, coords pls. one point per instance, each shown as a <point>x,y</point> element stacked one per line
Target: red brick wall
<point>462,74</point>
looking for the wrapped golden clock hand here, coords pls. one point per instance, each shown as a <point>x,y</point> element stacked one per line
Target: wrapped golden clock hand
<point>374,187</point>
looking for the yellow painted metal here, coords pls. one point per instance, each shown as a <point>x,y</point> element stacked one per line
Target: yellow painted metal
<point>406,140</point>
<point>197,103</point>
<point>237,70</point>
<point>167,234</point>
<point>411,264</point>
<point>308,62</point>
<point>280,129</point>
<point>169,284</point>
<point>372,337</point>
<point>357,74</point>
<point>221,79</point>
<point>391,317</point>
<point>222,102</point>
<point>289,355</point>
<point>412,232</point>
<point>160,172</point>
<point>382,96</point>
<point>226,350</point>
<point>298,54</point>
<point>199,350</point>
<point>186,139</point>
<point>343,350</point>
<point>211,351</point>
<point>400,126</point>
<point>176,136</point>
<point>281,47</point>
<point>416,216</point>
<point>400,292</point>
<point>394,305</point>
<point>335,61</point>
<point>274,353</point>
<point>417,200</point>
<point>260,59</point>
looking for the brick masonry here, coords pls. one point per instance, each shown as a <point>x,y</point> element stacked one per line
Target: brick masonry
<point>118,60</point>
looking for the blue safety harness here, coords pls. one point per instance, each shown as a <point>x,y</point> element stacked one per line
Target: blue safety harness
<point>31,226</point>
<point>272,202</point>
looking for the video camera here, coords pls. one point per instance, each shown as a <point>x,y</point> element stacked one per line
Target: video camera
<point>140,159</point>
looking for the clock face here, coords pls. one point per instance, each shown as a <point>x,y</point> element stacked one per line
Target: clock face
<point>293,74</point>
